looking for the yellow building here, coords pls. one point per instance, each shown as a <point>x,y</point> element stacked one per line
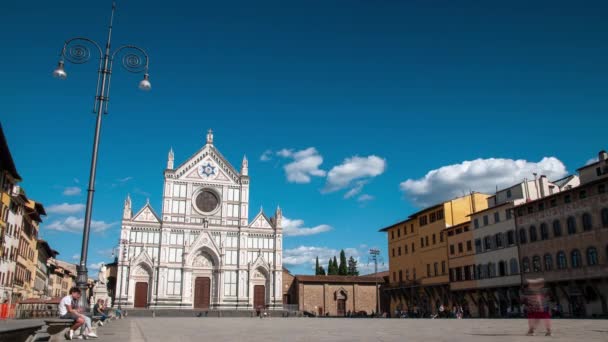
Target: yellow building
<point>9,219</point>
<point>27,253</point>
<point>62,277</point>
<point>418,254</point>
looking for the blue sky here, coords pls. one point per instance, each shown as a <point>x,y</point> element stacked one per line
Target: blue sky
<point>382,91</point>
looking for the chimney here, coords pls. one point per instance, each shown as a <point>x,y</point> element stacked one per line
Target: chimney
<point>603,155</point>
<point>542,182</point>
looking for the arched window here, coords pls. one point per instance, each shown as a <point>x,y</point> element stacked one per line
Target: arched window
<point>487,241</point>
<point>571,225</point>
<point>514,267</point>
<point>557,229</point>
<point>533,236</point>
<point>491,270</point>
<point>525,265</point>
<point>522,236</point>
<point>502,268</point>
<point>605,217</point>
<point>592,256</point>
<point>498,238</point>
<point>536,264</point>
<point>562,263</point>
<point>548,262</point>
<point>544,231</point>
<point>575,258</point>
<point>511,237</point>
<point>587,224</point>
<point>480,274</point>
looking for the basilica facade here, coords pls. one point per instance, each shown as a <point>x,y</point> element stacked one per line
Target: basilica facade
<point>202,251</point>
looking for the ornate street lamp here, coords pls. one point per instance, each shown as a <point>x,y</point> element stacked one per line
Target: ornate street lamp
<point>135,60</point>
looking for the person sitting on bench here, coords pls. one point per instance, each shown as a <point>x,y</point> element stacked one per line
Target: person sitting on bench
<point>99,310</point>
<point>68,309</point>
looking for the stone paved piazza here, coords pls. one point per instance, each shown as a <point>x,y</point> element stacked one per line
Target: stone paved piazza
<point>340,329</point>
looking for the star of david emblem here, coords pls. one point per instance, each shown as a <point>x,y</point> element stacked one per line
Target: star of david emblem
<point>207,170</point>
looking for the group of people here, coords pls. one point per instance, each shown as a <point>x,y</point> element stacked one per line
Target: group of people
<point>69,308</point>
<point>458,311</point>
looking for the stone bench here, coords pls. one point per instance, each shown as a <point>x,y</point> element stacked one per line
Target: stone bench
<point>56,328</point>
<point>20,330</point>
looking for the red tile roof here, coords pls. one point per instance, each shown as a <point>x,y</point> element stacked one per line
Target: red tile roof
<point>337,279</point>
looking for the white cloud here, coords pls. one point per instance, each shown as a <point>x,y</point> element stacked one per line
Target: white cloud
<point>358,186</point>
<point>73,224</point>
<point>285,153</point>
<point>95,266</point>
<point>71,191</point>
<point>591,161</point>
<point>305,165</point>
<point>105,252</point>
<point>139,191</point>
<point>76,257</point>
<point>303,255</point>
<point>366,267</point>
<point>296,228</point>
<point>266,156</point>
<point>76,180</point>
<point>65,208</point>
<point>365,198</point>
<point>121,181</point>
<point>354,173</point>
<point>482,175</point>
<point>306,256</point>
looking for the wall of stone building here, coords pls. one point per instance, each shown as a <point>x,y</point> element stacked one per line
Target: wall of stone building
<point>288,283</point>
<point>365,297</point>
<point>310,297</point>
<point>359,297</point>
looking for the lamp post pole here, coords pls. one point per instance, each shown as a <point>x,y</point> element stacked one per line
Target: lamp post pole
<point>374,256</point>
<point>135,59</point>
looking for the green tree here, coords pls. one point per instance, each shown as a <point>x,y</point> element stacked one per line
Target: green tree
<point>352,267</point>
<point>321,270</point>
<point>332,267</point>
<point>335,266</point>
<point>317,267</point>
<point>342,269</point>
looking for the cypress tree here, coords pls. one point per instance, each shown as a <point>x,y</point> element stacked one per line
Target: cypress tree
<point>342,269</point>
<point>352,267</point>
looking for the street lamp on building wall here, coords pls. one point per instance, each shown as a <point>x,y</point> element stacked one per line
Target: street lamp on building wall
<point>135,60</point>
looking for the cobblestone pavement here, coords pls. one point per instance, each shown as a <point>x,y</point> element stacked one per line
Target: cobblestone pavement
<point>343,329</point>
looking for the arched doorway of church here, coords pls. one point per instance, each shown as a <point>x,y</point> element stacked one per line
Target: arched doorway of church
<point>141,277</point>
<point>202,292</point>
<point>259,296</point>
<point>141,295</point>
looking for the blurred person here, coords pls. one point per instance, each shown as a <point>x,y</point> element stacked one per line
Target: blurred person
<point>535,298</point>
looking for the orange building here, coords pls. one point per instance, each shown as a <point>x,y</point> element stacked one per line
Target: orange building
<point>418,254</point>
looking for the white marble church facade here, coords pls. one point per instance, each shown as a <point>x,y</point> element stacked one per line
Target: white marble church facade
<point>202,252</point>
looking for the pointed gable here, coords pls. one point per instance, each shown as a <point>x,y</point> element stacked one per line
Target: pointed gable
<point>146,214</point>
<point>221,168</point>
<point>261,221</point>
<point>205,242</point>
<point>143,258</point>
